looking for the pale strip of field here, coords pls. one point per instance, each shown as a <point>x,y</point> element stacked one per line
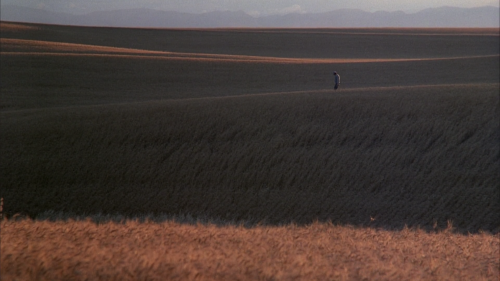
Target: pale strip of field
<point>83,250</point>
<point>46,48</point>
<point>15,27</point>
<point>39,45</point>
<point>242,59</point>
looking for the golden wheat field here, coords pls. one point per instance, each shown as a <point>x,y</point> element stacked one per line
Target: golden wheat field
<point>225,154</point>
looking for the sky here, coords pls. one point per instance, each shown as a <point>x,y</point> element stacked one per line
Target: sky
<point>252,7</point>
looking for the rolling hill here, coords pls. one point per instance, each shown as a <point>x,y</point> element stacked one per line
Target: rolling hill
<point>225,154</point>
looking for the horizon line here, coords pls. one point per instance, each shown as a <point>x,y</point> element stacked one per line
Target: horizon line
<point>249,13</point>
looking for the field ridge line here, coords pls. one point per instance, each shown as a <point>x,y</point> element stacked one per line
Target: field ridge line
<point>318,91</point>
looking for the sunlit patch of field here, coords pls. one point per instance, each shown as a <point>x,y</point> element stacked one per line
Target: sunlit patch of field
<point>242,126</point>
<point>83,250</point>
<point>14,27</point>
<point>35,47</point>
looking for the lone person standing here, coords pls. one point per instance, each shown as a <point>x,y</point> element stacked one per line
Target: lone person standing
<point>337,80</point>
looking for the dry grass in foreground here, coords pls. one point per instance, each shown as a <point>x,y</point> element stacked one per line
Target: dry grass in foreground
<point>83,250</point>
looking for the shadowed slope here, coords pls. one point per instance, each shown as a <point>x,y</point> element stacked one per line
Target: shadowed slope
<point>234,126</point>
<point>403,156</point>
<point>33,81</point>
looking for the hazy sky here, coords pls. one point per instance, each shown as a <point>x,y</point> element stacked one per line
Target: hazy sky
<point>253,7</point>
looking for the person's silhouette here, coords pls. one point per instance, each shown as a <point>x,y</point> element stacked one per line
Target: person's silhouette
<point>337,80</point>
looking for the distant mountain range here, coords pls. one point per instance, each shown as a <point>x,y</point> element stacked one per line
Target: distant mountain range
<point>434,17</point>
